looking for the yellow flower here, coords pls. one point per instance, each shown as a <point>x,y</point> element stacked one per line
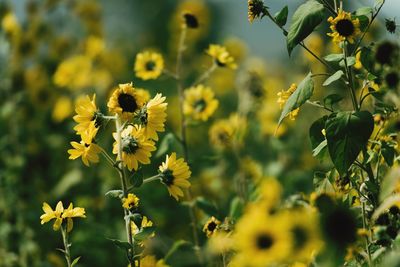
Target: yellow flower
<point>74,73</point>
<point>87,113</point>
<point>211,226</point>
<point>153,116</point>
<point>130,202</point>
<point>72,212</point>
<point>145,223</point>
<point>125,101</point>
<point>304,228</point>
<point>344,27</point>
<point>175,174</point>
<point>283,96</point>
<point>149,65</point>
<point>255,9</point>
<point>94,46</point>
<point>263,240</point>
<point>221,56</point>
<point>62,109</point>
<point>88,151</point>
<point>151,261</point>
<point>221,134</point>
<point>136,148</point>
<point>10,24</point>
<point>270,193</point>
<point>200,102</point>
<point>50,214</point>
<point>220,242</point>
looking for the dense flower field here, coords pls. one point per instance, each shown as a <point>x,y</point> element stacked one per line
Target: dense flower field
<point>179,147</point>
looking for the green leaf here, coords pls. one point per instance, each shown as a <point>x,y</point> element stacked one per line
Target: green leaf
<point>181,253</point>
<point>236,208</point>
<point>115,193</point>
<point>332,99</point>
<point>364,22</point>
<point>334,77</point>
<point>121,244</point>
<point>75,261</point>
<point>364,11</point>
<point>315,132</point>
<point>350,62</point>
<point>347,133</point>
<point>303,92</point>
<point>321,147</point>
<point>388,153</point>
<point>165,145</point>
<point>334,57</point>
<point>305,19</point>
<point>144,233</point>
<point>281,16</point>
<point>367,59</point>
<point>206,206</point>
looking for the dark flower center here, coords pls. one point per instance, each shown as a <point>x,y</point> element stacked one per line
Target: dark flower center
<point>264,241</point>
<point>127,102</point>
<point>167,177</point>
<point>256,7</point>
<point>223,137</point>
<point>392,79</point>
<point>386,52</point>
<point>191,21</point>
<point>345,27</point>
<point>129,145</point>
<point>211,226</point>
<point>150,65</point>
<point>200,105</point>
<point>219,63</point>
<point>300,236</point>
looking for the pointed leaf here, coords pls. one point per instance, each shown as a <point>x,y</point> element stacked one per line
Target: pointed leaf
<point>75,262</point>
<point>334,77</point>
<point>281,16</point>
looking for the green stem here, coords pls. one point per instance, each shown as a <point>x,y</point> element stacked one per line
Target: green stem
<point>205,75</point>
<point>349,78</point>
<point>122,174</point>
<point>67,253</point>
<point>151,179</point>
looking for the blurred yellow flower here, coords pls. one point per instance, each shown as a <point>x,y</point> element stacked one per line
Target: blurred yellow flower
<point>211,226</point>
<point>149,65</point>
<point>221,134</point>
<point>130,202</point>
<point>151,261</point>
<point>72,212</point>
<point>94,46</point>
<point>62,109</point>
<point>50,214</point>
<point>74,72</point>
<point>344,27</point>
<point>10,24</point>
<point>175,174</point>
<point>153,116</point>
<point>220,242</point>
<point>136,148</point>
<point>200,102</point>
<point>221,56</point>
<point>125,101</point>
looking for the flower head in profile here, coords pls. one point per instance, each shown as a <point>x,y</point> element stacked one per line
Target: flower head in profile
<point>255,9</point>
<point>152,116</point>
<point>72,212</point>
<point>149,65</point>
<point>50,214</point>
<point>86,113</point>
<point>130,202</point>
<point>221,56</point>
<point>136,147</point>
<point>175,174</point>
<point>283,96</point>
<point>200,102</point>
<point>125,101</point>
<point>211,226</point>
<point>343,27</point>
<point>86,149</point>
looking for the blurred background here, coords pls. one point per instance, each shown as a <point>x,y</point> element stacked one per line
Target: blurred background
<point>53,51</point>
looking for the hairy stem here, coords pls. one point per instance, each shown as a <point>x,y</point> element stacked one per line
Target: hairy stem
<point>67,253</point>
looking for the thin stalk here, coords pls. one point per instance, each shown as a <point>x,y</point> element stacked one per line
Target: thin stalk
<point>122,174</point>
<point>319,106</point>
<point>181,47</point>
<point>349,79</point>
<point>107,157</point>
<point>67,253</point>
<point>366,238</point>
<point>206,74</point>
<point>151,179</point>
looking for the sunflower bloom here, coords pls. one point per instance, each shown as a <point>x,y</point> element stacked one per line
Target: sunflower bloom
<point>88,151</point>
<point>86,112</point>
<point>130,202</point>
<point>50,214</point>
<point>344,28</point>
<point>175,174</point>
<point>125,101</point>
<point>211,226</point>
<point>200,102</point>
<point>283,96</point>
<point>263,240</point>
<point>255,10</point>
<point>149,65</point>
<point>221,56</point>
<point>153,116</point>
<point>72,212</point>
<point>136,148</point>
